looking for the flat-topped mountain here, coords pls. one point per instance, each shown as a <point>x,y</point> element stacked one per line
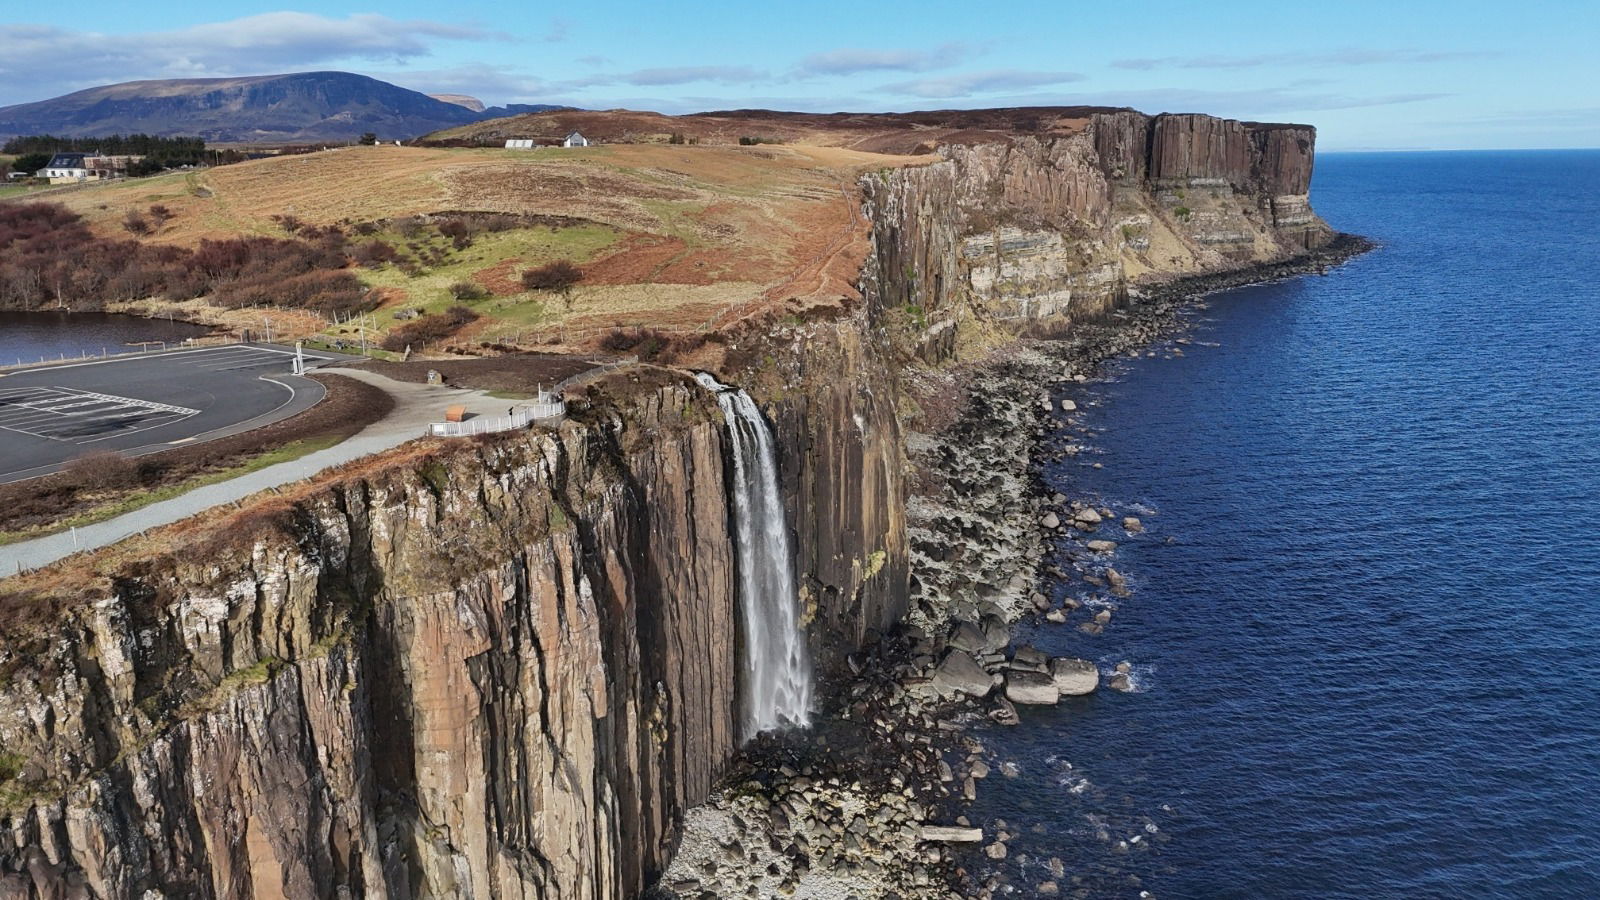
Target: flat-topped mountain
<point>303,106</point>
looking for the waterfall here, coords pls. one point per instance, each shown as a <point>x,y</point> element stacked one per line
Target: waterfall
<point>776,689</point>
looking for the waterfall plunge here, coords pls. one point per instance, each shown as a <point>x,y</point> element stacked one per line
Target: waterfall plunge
<point>776,690</point>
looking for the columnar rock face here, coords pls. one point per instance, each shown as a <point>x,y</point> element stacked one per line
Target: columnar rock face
<point>841,459</point>
<point>1018,231</point>
<point>1032,233</point>
<point>503,671</point>
<point>1199,147</point>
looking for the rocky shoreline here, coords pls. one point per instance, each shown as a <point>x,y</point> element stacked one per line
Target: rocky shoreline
<point>869,802</point>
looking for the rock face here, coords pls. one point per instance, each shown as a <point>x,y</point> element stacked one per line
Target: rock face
<point>506,669</point>
<point>1036,232</point>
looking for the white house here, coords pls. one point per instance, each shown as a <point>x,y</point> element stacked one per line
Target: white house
<point>519,144</point>
<point>65,167</point>
<point>575,140</point>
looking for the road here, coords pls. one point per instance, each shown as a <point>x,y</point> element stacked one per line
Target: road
<point>416,405</point>
<point>146,403</point>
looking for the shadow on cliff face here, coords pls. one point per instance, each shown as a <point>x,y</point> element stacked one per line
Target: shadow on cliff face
<point>390,792</point>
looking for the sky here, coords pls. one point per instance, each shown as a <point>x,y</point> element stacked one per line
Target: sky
<point>1397,75</point>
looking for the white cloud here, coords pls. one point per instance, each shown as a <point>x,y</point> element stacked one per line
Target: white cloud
<point>45,61</point>
<point>670,75</point>
<point>851,60</point>
<point>965,85</point>
<point>1348,57</point>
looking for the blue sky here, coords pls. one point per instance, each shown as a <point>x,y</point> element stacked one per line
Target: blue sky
<point>1405,74</point>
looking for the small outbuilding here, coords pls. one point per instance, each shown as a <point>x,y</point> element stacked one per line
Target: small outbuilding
<point>520,144</point>
<point>575,140</point>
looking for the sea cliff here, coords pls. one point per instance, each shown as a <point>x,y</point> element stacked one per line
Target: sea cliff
<point>510,667</point>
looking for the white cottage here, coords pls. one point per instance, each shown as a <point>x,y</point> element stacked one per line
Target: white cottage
<point>575,140</point>
<point>66,167</point>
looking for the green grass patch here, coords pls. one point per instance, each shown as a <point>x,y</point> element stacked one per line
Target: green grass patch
<point>290,451</point>
<point>18,190</point>
<point>531,247</point>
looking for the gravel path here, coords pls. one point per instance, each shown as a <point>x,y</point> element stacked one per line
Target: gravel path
<point>416,405</point>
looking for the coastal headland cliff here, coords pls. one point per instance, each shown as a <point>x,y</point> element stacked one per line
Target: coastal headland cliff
<point>508,667</point>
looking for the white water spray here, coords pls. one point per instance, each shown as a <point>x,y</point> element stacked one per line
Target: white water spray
<point>777,674</point>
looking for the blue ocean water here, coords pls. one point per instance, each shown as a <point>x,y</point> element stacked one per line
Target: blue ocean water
<point>1365,622</point>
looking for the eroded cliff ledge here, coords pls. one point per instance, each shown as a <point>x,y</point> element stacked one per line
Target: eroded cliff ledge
<point>506,668</point>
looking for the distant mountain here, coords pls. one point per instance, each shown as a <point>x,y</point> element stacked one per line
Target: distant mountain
<point>304,106</point>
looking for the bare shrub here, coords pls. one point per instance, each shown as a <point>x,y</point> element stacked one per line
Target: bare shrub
<point>429,329</point>
<point>102,470</point>
<point>558,276</point>
<point>646,343</point>
<point>468,290</point>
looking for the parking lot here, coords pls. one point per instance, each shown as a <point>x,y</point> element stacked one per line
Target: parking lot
<point>50,415</point>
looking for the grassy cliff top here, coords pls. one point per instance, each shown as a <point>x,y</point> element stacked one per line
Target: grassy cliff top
<point>667,236</point>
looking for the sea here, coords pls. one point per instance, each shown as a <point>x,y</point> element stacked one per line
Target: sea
<point>1364,622</point>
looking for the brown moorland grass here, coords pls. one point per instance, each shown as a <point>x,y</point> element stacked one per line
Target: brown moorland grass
<point>703,231</point>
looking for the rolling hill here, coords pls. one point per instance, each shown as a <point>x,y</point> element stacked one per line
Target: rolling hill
<point>298,107</point>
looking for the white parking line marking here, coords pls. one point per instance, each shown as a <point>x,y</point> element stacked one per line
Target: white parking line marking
<point>84,417</point>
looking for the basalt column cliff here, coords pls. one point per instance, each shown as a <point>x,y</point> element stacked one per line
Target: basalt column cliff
<point>505,668</point>
<point>1031,233</point>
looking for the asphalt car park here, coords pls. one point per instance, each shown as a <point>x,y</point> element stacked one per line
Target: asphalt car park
<point>144,403</point>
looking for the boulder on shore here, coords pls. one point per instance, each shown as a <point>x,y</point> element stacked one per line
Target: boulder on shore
<point>968,637</point>
<point>1033,688</point>
<point>1102,546</point>
<point>958,672</point>
<point>1086,518</point>
<point>1118,584</point>
<point>953,834</point>
<point>1074,677</point>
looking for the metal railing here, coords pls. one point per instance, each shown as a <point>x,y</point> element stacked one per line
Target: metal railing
<point>145,349</point>
<point>545,408</point>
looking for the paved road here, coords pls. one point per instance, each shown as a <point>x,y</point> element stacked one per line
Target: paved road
<point>141,404</point>
<point>416,405</point>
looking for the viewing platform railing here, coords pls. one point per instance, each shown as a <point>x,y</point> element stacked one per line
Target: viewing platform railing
<point>545,409</point>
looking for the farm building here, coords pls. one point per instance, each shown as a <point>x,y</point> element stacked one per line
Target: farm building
<point>520,144</point>
<point>575,140</point>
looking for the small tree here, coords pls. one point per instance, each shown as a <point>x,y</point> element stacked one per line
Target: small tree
<point>369,138</point>
<point>559,278</point>
<point>136,224</point>
<point>30,162</point>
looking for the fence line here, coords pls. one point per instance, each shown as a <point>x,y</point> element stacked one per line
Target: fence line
<point>189,344</point>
